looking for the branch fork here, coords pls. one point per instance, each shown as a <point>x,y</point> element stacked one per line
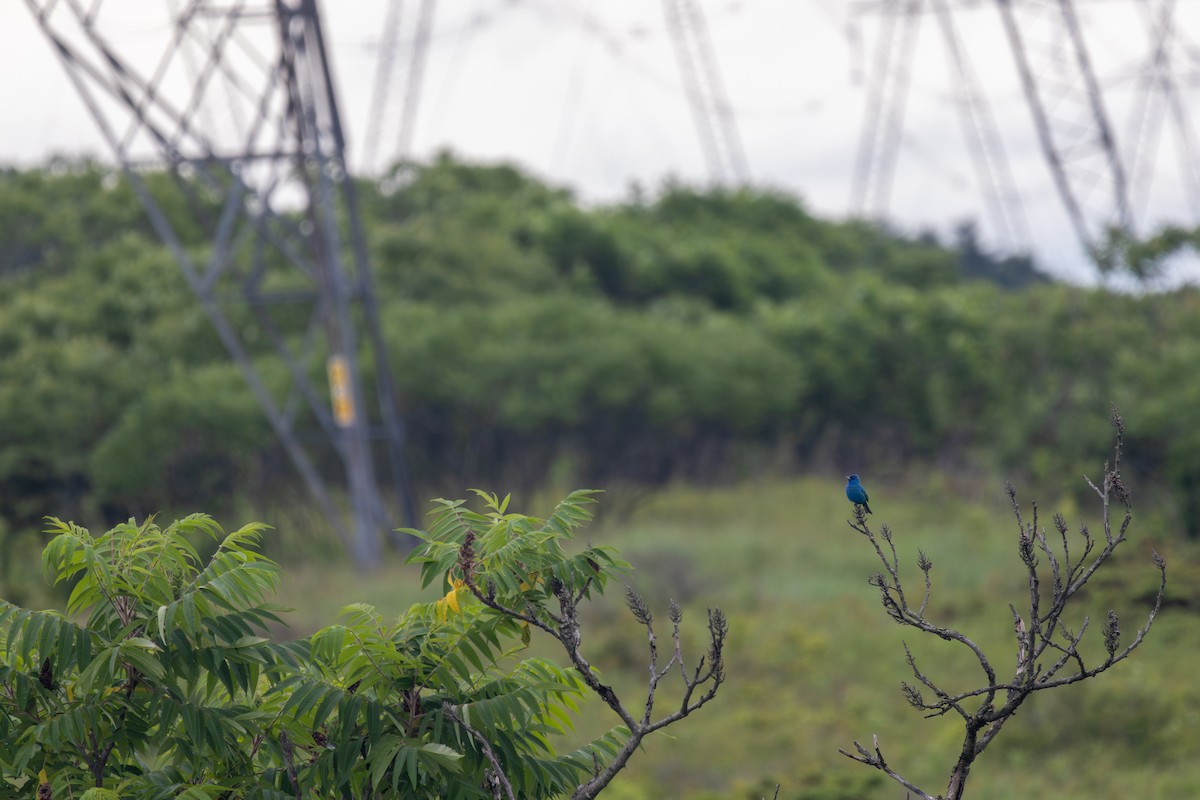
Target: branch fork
<point>1047,649</point>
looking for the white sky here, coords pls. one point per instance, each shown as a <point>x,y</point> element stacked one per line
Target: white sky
<point>589,95</point>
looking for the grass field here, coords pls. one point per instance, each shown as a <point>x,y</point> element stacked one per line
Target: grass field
<point>814,663</point>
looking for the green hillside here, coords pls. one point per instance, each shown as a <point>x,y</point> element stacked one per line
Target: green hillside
<point>717,360</point>
<point>692,334</point>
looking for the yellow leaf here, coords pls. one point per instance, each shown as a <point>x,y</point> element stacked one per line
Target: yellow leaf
<point>42,776</point>
<point>450,601</point>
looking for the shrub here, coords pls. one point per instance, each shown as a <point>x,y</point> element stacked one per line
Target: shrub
<point>160,682</point>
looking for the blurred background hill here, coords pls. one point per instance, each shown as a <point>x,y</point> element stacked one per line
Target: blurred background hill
<point>693,334</point>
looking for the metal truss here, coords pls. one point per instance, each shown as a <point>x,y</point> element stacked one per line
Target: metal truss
<point>984,142</point>
<point>1069,114</point>
<point>234,102</point>
<point>393,112</point>
<point>1159,100</point>
<point>711,109</point>
<point>887,96</point>
<point>883,122</point>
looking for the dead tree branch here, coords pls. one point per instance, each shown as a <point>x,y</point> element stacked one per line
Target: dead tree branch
<point>496,778</point>
<point>1047,650</point>
<point>700,683</point>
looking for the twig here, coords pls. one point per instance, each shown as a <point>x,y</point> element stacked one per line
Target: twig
<point>1041,632</point>
<point>498,778</point>
<point>875,759</point>
<point>700,684</point>
<point>289,762</point>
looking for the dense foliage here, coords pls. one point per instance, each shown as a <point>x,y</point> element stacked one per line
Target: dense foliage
<point>692,333</point>
<point>159,683</point>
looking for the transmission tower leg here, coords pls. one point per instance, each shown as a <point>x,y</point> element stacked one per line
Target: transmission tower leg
<point>272,275</point>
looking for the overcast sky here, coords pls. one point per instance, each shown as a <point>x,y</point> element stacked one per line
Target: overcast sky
<point>590,96</point>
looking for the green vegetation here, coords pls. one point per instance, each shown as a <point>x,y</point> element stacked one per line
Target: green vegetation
<point>158,683</point>
<point>695,334</point>
<point>814,663</point>
<point>725,347</point>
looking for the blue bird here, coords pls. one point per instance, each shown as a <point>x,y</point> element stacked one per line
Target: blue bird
<point>855,492</point>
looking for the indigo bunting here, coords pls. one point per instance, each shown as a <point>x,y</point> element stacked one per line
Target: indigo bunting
<point>856,493</point>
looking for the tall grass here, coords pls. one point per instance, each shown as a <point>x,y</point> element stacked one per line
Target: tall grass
<point>814,662</point>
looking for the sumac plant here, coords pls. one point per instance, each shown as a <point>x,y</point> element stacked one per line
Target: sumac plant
<point>160,679</point>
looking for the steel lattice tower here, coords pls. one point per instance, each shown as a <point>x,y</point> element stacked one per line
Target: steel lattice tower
<point>235,101</point>
<point>1069,115</point>
<point>887,96</point>
<point>401,56</point>
<point>1160,101</point>
<point>1100,184</point>
<point>711,110</point>
<point>983,140</point>
<point>883,120</point>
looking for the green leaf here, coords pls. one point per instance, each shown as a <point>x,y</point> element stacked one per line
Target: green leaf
<point>442,755</point>
<point>104,794</point>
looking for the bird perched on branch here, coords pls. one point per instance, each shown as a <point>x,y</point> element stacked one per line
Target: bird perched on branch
<point>856,493</point>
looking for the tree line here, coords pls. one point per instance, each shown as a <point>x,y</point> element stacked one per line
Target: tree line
<point>685,333</point>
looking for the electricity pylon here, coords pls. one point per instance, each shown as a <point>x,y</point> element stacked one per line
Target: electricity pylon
<point>1066,103</point>
<point>883,121</point>
<point>1069,115</point>
<point>984,142</point>
<point>1159,99</point>
<point>887,97</point>
<point>711,109</point>
<point>236,103</point>
<point>393,114</point>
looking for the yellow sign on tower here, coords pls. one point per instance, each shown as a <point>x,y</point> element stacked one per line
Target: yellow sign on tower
<point>340,391</point>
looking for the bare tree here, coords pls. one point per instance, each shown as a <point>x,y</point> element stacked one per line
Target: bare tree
<point>699,683</point>
<point>1047,649</point>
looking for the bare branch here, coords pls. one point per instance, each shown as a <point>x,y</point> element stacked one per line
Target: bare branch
<point>489,599</point>
<point>289,762</point>
<point>496,774</point>
<point>699,687</point>
<point>946,702</point>
<point>706,679</point>
<point>1047,650</point>
<point>925,565</point>
<point>874,758</point>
